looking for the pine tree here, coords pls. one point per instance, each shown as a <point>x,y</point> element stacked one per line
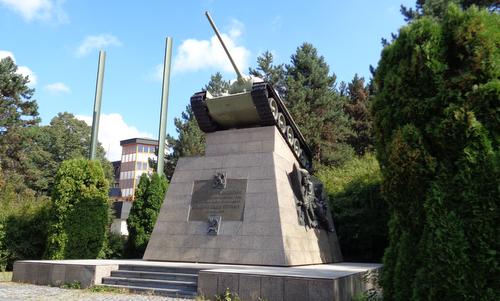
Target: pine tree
<point>17,111</point>
<point>269,72</point>
<point>357,109</point>
<point>190,140</point>
<point>317,108</point>
<point>216,86</point>
<point>437,8</point>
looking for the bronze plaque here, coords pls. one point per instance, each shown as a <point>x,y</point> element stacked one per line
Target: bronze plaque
<point>229,202</point>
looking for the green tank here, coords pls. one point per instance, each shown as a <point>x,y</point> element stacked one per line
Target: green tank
<point>250,102</point>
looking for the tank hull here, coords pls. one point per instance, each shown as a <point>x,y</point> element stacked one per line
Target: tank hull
<point>260,107</point>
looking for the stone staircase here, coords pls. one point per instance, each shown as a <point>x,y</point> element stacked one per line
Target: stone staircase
<point>156,280</point>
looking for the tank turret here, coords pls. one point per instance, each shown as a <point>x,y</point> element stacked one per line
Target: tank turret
<point>249,102</point>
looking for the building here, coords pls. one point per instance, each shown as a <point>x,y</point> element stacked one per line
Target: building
<point>134,162</point>
<point>136,153</point>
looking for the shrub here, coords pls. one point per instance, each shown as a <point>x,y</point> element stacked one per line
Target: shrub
<point>149,196</point>
<point>79,215</point>
<point>23,222</point>
<point>437,128</point>
<point>359,212</point>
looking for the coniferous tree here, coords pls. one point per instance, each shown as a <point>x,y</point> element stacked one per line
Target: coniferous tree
<point>437,128</point>
<point>149,197</point>
<point>317,107</point>
<point>190,140</point>
<point>269,72</point>
<point>17,111</point>
<point>437,8</point>
<point>357,109</point>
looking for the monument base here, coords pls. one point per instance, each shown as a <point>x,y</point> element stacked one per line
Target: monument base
<point>237,205</point>
<point>339,281</point>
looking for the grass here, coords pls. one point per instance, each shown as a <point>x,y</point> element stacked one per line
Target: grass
<point>107,289</point>
<point>5,276</point>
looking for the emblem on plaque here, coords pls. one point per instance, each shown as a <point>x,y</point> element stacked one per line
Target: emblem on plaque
<point>219,181</point>
<point>213,224</point>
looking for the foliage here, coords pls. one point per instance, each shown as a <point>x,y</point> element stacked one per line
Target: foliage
<point>216,86</point>
<point>437,126</point>
<point>227,296</point>
<point>39,151</point>
<point>356,108</point>
<point>437,8</point>
<point>114,246</point>
<point>80,211</point>
<point>23,223</point>
<point>190,140</point>
<point>75,285</point>
<point>17,109</point>
<point>149,196</point>
<point>269,72</point>
<point>359,212</point>
<point>317,107</point>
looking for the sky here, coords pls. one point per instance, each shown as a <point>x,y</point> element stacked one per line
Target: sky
<point>56,43</point>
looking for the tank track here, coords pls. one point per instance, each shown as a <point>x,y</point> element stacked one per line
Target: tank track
<point>200,112</point>
<point>261,95</point>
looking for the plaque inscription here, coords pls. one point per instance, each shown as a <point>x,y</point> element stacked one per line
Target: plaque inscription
<point>229,203</point>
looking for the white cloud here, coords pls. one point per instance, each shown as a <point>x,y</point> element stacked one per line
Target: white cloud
<point>23,70</point>
<point>194,55</point>
<point>57,88</point>
<point>113,129</point>
<point>91,43</point>
<point>45,10</point>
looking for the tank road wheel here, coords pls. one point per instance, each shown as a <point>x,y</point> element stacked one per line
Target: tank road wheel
<point>281,122</point>
<point>274,108</point>
<point>296,147</point>
<point>289,135</point>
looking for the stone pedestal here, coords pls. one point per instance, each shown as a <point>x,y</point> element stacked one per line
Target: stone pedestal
<point>260,226</point>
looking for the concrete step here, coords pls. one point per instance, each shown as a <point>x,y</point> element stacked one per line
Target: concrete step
<point>179,293</point>
<point>151,283</point>
<point>159,269</point>
<point>155,275</point>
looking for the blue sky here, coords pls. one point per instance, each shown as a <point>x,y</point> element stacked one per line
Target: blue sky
<point>57,43</point>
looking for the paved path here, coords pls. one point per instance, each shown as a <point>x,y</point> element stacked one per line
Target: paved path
<point>10,291</point>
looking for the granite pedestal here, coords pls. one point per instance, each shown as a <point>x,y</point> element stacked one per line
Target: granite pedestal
<point>259,221</point>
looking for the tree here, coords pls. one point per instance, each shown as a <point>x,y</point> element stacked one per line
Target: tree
<point>437,129</point>
<point>190,140</point>
<point>149,197</point>
<point>79,217</point>
<point>216,86</point>
<point>269,72</point>
<point>17,111</point>
<point>357,109</point>
<point>437,8</point>
<point>359,211</point>
<point>317,107</point>
<point>45,148</point>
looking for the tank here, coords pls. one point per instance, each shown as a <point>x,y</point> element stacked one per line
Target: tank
<point>250,102</point>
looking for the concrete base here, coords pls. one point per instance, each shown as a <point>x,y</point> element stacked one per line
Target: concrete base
<point>335,282</point>
<point>269,232</point>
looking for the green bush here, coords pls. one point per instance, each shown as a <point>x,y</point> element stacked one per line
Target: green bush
<point>79,215</point>
<point>114,246</point>
<point>149,196</point>
<point>23,222</point>
<point>359,212</point>
<point>437,126</point>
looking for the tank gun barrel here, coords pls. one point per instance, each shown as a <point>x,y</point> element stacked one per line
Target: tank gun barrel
<point>240,76</point>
